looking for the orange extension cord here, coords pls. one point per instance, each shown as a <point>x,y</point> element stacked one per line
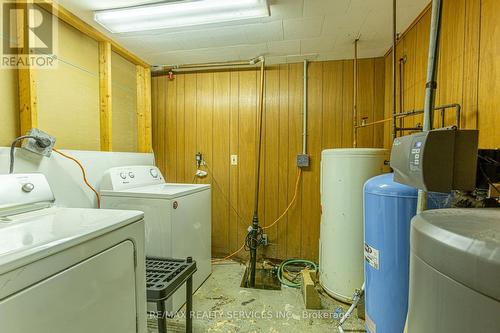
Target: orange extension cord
<point>299,174</point>
<point>83,174</point>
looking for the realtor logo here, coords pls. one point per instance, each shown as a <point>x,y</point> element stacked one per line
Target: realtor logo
<point>28,35</point>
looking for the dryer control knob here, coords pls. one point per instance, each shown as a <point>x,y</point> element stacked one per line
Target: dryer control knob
<point>123,175</point>
<point>28,187</point>
<point>131,175</point>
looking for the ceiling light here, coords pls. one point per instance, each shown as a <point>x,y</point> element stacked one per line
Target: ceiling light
<point>177,14</point>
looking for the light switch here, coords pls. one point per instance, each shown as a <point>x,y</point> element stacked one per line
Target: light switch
<point>234,159</point>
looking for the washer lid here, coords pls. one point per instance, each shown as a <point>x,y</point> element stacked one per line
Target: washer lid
<point>25,238</point>
<point>160,191</point>
<point>463,244</point>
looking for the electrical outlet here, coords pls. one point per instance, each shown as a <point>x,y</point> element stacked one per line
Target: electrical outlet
<point>199,159</point>
<point>234,159</point>
<point>33,146</point>
<point>265,240</point>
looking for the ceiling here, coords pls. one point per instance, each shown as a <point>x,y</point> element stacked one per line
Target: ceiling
<point>296,29</point>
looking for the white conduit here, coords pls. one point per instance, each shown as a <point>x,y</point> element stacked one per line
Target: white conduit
<point>304,139</point>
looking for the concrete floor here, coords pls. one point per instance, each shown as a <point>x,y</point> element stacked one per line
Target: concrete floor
<point>220,305</point>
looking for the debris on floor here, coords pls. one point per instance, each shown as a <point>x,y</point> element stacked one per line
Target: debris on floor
<point>221,305</point>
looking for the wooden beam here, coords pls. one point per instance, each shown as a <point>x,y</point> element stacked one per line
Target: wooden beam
<point>144,136</point>
<point>147,112</point>
<point>28,101</point>
<point>309,292</point>
<point>105,97</point>
<point>66,16</point>
<point>141,132</point>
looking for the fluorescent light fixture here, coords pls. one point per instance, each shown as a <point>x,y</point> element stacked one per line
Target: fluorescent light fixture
<point>177,14</point>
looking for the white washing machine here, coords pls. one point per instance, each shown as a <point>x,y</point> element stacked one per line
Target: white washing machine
<point>455,271</point>
<point>177,216</point>
<point>66,269</point>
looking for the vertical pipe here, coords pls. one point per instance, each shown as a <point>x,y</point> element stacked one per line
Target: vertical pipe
<point>355,96</point>
<point>431,85</point>
<point>401,92</point>
<point>304,139</point>
<point>260,117</point>
<point>394,40</point>
<point>255,220</point>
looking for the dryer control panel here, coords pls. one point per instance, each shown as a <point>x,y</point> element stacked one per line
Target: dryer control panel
<point>122,178</point>
<point>28,190</point>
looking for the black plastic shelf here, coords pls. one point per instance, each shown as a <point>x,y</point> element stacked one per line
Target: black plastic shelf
<point>163,277</point>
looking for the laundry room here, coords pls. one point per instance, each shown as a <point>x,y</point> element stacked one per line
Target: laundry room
<point>250,166</point>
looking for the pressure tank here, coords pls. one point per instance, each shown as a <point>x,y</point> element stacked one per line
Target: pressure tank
<point>343,173</point>
<point>389,208</point>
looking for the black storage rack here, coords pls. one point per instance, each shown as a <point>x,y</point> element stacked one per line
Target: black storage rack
<point>164,276</point>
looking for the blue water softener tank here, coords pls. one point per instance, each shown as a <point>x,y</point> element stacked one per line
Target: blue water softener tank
<point>388,210</point>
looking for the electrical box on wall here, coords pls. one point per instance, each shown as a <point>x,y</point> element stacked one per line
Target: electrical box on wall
<point>303,160</point>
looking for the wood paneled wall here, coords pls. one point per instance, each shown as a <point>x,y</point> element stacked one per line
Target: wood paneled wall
<point>468,72</point>
<point>215,113</point>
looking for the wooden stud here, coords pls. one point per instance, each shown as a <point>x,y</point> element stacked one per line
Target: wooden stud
<point>144,133</point>
<point>28,101</point>
<point>141,117</point>
<point>28,109</point>
<point>148,136</point>
<point>105,99</point>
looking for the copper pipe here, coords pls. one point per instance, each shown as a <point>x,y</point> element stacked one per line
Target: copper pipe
<point>374,123</point>
<point>210,65</point>
<point>355,96</point>
<point>402,62</point>
<point>394,41</point>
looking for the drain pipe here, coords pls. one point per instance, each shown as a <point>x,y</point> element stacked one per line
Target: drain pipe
<point>431,85</point>
<point>304,139</point>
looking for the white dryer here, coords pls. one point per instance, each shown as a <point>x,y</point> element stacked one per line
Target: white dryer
<point>67,269</point>
<point>177,216</point>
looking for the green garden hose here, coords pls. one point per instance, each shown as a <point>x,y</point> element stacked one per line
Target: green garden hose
<point>281,267</point>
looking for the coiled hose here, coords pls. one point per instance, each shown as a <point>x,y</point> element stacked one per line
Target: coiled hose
<point>287,262</point>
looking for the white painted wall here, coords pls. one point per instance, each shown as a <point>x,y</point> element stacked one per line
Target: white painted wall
<point>64,175</point>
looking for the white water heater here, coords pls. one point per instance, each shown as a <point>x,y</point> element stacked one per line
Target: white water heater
<point>343,175</point>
